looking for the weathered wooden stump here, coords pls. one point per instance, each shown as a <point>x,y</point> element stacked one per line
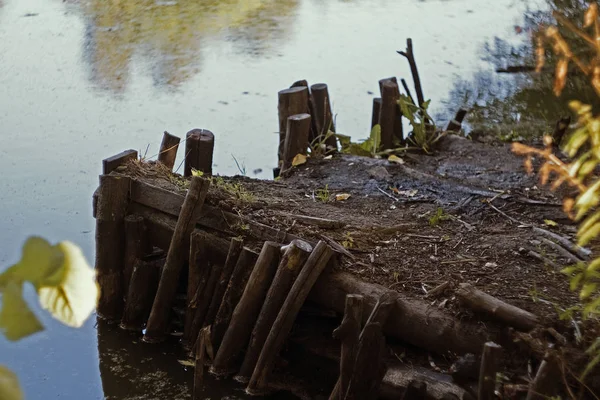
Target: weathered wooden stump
<point>323,115</point>
<point>388,115</point>
<point>136,246</point>
<point>142,290</point>
<point>168,150</point>
<point>291,101</point>
<point>199,147</point>
<point>296,138</point>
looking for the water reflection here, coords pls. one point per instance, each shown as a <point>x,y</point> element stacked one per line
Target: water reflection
<point>167,36</point>
<point>524,103</point>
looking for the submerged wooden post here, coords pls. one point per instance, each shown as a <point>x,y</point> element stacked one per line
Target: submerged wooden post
<point>376,110</point>
<point>388,113</point>
<point>296,138</point>
<point>136,246</point>
<point>235,248</point>
<point>291,101</point>
<point>198,275</point>
<point>199,353</point>
<point>294,257</point>
<point>158,323</point>
<point>168,150</point>
<point>111,209</point>
<point>323,116</point>
<point>232,295</point>
<point>199,147</point>
<point>204,296</point>
<point>487,373</point>
<point>316,263</point>
<point>349,333</point>
<point>142,290</point>
<point>246,312</point>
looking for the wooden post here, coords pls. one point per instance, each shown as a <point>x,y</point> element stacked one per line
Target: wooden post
<point>547,379</point>
<point>112,205</point>
<point>379,315</point>
<point>232,295</point>
<point>199,365</point>
<point>483,302</point>
<point>410,56</point>
<point>112,163</point>
<point>311,109</point>
<point>376,111</point>
<point>158,323</point>
<point>203,298</point>
<point>487,373</point>
<point>199,271</point>
<point>322,114</point>
<point>455,124</point>
<point>384,80</point>
<point>388,113</point>
<point>168,150</point>
<point>291,101</point>
<point>316,263</point>
<point>246,312</point>
<point>296,138</point>
<point>235,248</point>
<point>136,246</point>
<point>199,147</point>
<point>142,290</point>
<point>369,368</point>
<point>349,332</point>
<point>294,257</point>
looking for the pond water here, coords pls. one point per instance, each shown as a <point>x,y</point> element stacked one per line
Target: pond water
<point>83,80</point>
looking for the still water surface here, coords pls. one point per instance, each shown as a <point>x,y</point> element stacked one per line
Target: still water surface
<point>83,80</point>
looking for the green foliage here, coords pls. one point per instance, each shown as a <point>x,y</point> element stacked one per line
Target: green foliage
<point>367,148</point>
<point>423,134</point>
<point>66,287</point>
<point>235,190</point>
<point>323,195</point>
<point>440,215</point>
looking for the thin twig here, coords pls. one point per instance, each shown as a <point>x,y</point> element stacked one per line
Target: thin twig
<point>387,194</point>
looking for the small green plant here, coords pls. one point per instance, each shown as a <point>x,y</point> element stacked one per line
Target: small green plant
<point>66,287</point>
<point>323,195</point>
<point>367,148</point>
<point>348,241</point>
<point>440,215</point>
<point>424,134</point>
<point>236,190</point>
<point>196,172</point>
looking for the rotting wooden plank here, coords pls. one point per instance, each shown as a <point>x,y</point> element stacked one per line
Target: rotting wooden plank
<point>111,163</point>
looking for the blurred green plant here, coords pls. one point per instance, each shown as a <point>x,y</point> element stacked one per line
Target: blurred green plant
<point>66,287</point>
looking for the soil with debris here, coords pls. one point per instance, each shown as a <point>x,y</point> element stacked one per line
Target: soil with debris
<point>463,214</point>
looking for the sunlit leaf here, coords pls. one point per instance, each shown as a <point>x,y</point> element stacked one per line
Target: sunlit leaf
<point>577,139</point>
<point>593,307</point>
<point>549,222</point>
<point>590,15</point>
<point>589,234</point>
<point>196,172</point>
<point>594,265</point>
<point>375,137</point>
<point>40,263</point>
<point>587,290</point>
<point>9,385</point>
<point>299,159</point>
<point>186,363</point>
<point>395,159</point>
<point>588,223</point>
<point>587,168</point>
<point>574,284</point>
<point>560,79</point>
<point>570,270</point>
<point>590,366</point>
<point>16,319</point>
<point>76,297</point>
<point>588,199</point>
<point>342,196</point>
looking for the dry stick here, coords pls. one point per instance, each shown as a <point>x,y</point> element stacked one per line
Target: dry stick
<point>290,102</point>
<point>322,114</point>
<point>348,332</point>
<point>483,302</point>
<point>294,257</point>
<point>110,239</point>
<point>168,150</point>
<point>232,295</point>
<point>455,124</point>
<point>581,252</point>
<point>384,306</point>
<point>198,275</point>
<point>296,139</point>
<point>376,111</point>
<point>247,310</point>
<point>387,115</point>
<point>309,274</point>
<point>158,323</point>
<point>369,368</point>
<point>199,147</point>
<point>136,246</point>
<point>410,56</point>
<point>112,163</point>
<point>142,290</point>
<point>547,379</point>
<point>235,248</point>
<point>563,252</point>
<point>487,373</point>
<point>407,90</point>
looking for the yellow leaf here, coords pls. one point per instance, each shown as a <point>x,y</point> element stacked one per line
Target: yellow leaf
<point>299,159</point>
<point>16,319</point>
<point>395,159</point>
<point>9,385</point>
<point>587,290</point>
<point>196,172</point>
<point>588,199</point>
<point>76,297</point>
<point>589,234</point>
<point>186,363</point>
<point>342,197</point>
<point>40,263</point>
<point>549,222</point>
